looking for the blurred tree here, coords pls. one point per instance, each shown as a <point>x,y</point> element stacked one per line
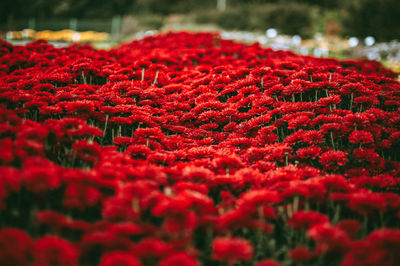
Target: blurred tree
<point>166,7</point>
<point>15,9</point>
<point>290,18</point>
<point>378,18</point>
<point>98,8</point>
<point>327,4</point>
<point>221,5</point>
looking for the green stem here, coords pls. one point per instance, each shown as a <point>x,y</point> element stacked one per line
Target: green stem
<point>336,216</point>
<point>155,78</point>
<point>295,204</point>
<point>365,226</point>
<point>262,82</point>
<point>84,78</point>
<point>105,125</point>
<point>289,211</point>
<point>333,142</point>
<point>351,100</point>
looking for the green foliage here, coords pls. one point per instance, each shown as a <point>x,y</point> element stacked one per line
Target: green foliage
<point>152,21</point>
<point>288,18</point>
<point>326,4</point>
<point>165,7</point>
<point>379,18</point>
<point>231,19</point>
<point>206,16</point>
<point>235,19</point>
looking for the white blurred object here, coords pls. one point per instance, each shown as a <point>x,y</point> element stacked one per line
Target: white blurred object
<point>317,52</point>
<point>225,35</point>
<point>249,37</point>
<point>324,51</point>
<point>149,33</point>
<point>25,33</point>
<point>262,40</point>
<point>319,37</point>
<point>282,40</point>
<point>271,33</point>
<point>76,37</point>
<point>296,40</point>
<point>369,41</point>
<point>353,42</point>
<point>373,56</point>
<point>304,50</point>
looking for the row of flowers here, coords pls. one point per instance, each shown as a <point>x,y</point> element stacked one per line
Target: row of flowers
<point>186,149</point>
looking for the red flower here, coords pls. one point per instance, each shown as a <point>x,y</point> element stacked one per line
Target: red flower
<point>311,152</point>
<point>298,121</point>
<point>231,250</point>
<point>227,163</point>
<point>151,248</point>
<point>381,247</point>
<point>196,132</point>
<point>358,121</point>
<point>125,229</point>
<point>52,219</point>
<point>300,254</point>
<point>15,247</point>
<point>142,64</point>
<point>119,258</point>
<point>266,136</point>
<point>329,239</point>
<point>304,220</point>
<point>178,258</point>
<point>119,208</point>
<point>99,241</point>
<point>351,227</point>
<point>256,198</point>
<point>312,137</point>
<point>367,155</point>
<point>177,222</point>
<point>40,175</point>
<point>86,151</point>
<point>80,196</point>
<point>197,174</point>
<point>333,160</point>
<point>52,250</point>
<point>366,203</point>
<point>361,137</point>
<point>10,179</point>
<point>267,262</point>
<point>330,100</point>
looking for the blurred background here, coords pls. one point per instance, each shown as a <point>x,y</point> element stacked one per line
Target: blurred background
<point>340,28</point>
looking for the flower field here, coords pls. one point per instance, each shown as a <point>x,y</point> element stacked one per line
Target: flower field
<point>187,149</point>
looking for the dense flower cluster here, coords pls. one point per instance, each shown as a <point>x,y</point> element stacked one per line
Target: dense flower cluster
<point>186,149</point>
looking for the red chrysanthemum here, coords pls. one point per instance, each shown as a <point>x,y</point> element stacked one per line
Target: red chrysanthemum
<point>231,250</point>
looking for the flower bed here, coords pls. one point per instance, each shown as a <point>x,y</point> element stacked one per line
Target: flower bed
<point>186,149</point>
